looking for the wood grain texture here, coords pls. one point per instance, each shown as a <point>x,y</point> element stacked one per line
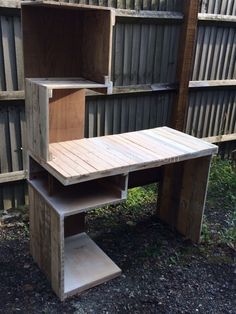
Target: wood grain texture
<point>66,43</point>
<point>86,265</point>
<point>87,159</point>
<point>46,239</point>
<point>37,119</point>
<point>182,196</point>
<point>79,198</point>
<point>184,65</point>
<point>66,115</point>
<point>72,264</point>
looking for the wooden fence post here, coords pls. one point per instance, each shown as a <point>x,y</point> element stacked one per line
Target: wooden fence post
<point>184,64</point>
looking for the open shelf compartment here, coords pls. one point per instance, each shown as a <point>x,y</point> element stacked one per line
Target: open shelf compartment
<point>66,40</point>
<point>85,265</point>
<point>80,197</point>
<point>55,111</point>
<point>73,263</point>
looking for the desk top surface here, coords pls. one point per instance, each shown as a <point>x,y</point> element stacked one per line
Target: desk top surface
<point>91,158</point>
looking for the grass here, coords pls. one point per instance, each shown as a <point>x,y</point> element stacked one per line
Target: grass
<point>221,203</point>
<point>222,184</point>
<point>221,198</point>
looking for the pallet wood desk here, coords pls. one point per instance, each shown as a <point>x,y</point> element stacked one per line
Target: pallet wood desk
<point>93,172</point>
<point>69,174</point>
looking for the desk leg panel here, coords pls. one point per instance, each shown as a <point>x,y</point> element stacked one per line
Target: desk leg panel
<point>47,240</point>
<point>182,196</point>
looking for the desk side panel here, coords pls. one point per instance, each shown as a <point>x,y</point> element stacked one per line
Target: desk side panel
<point>47,240</point>
<point>37,119</point>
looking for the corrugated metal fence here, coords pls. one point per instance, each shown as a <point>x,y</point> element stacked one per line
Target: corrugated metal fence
<point>144,53</point>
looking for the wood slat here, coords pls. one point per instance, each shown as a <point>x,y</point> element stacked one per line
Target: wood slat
<point>87,159</point>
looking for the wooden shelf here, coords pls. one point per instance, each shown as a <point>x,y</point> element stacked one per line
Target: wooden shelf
<point>69,83</point>
<point>85,265</point>
<point>61,40</point>
<point>74,199</point>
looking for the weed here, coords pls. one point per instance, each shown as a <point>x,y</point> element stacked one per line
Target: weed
<point>141,196</point>
<point>206,234</point>
<point>228,235</point>
<point>222,184</point>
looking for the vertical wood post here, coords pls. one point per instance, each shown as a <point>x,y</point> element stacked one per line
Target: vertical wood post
<point>184,64</point>
<point>182,196</point>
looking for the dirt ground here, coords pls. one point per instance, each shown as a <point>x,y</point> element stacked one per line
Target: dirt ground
<point>162,272</point>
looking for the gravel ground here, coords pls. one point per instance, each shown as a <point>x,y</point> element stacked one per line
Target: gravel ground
<point>162,272</point>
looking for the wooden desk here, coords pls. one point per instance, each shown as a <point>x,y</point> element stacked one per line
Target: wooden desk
<point>94,172</point>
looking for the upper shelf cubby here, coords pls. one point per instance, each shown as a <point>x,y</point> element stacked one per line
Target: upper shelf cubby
<point>67,40</point>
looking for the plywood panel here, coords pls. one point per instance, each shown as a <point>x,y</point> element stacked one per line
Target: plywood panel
<point>66,115</point>
<point>51,42</point>
<point>86,265</point>
<point>62,41</point>
<point>96,45</point>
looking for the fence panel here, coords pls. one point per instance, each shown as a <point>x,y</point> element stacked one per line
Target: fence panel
<point>211,112</point>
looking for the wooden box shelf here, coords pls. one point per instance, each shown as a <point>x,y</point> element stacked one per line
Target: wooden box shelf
<point>85,265</point>
<point>66,40</point>
<point>55,111</point>
<point>72,264</point>
<point>80,197</point>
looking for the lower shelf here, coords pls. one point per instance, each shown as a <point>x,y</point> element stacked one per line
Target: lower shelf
<point>85,265</point>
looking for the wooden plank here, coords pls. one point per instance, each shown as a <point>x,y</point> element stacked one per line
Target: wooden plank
<point>36,110</point>
<point>186,143</point>
<point>114,154</point>
<point>182,196</point>
<point>97,161</point>
<point>42,121</point>
<point>74,154</point>
<point>96,46</point>
<point>68,83</point>
<point>216,18</point>
<point>220,138</point>
<point>65,163</point>
<point>86,265</point>
<point>150,16</point>
<point>12,95</point>
<point>108,147</point>
<point>66,115</point>
<point>158,146</point>
<point>190,139</point>
<point>10,3</point>
<point>64,5</point>
<point>12,176</point>
<point>57,254</point>
<point>79,198</point>
<point>212,83</point>
<point>184,66</point>
<point>100,151</point>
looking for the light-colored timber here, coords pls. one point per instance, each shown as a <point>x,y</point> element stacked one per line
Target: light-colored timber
<point>67,49</point>
<point>88,159</point>
<point>81,197</point>
<point>55,111</point>
<point>85,265</point>
<point>72,264</point>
